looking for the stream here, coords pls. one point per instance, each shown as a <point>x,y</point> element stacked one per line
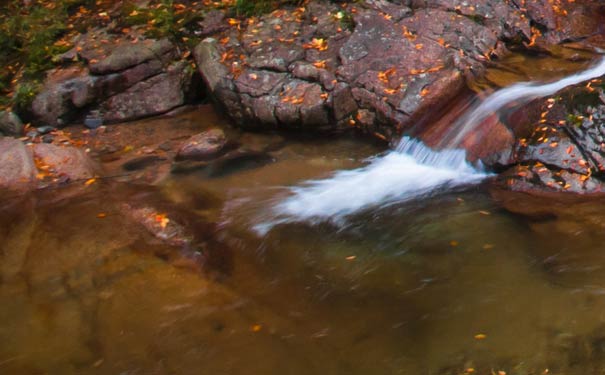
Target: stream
<point>437,281</point>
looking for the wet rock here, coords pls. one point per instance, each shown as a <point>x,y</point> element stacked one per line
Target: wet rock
<point>203,146</point>
<point>237,161</point>
<point>17,168</point>
<point>142,162</point>
<point>10,124</point>
<point>66,163</point>
<point>93,120</point>
<point>232,162</point>
<point>158,224</point>
<point>188,166</point>
<point>42,130</point>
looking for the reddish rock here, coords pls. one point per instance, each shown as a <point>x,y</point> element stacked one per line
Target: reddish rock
<point>156,95</point>
<point>158,224</point>
<point>17,168</point>
<point>66,163</point>
<point>203,146</point>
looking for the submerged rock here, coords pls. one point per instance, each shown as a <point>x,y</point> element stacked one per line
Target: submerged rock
<point>158,224</point>
<point>65,163</point>
<point>203,146</point>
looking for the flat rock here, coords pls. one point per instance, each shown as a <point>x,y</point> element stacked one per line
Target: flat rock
<point>122,54</point>
<point>66,163</point>
<point>203,146</point>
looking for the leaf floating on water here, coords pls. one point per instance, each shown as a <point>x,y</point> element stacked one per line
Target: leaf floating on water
<point>480,336</point>
<point>352,257</point>
<point>486,213</point>
<point>453,243</point>
<point>162,219</point>
<point>256,328</point>
<point>488,246</point>
<point>101,215</point>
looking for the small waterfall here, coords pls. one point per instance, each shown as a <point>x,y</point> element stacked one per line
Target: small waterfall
<point>519,93</point>
<point>412,169</point>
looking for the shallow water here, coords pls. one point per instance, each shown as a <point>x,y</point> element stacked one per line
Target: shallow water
<point>438,285</point>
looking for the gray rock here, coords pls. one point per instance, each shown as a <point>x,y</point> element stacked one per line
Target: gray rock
<point>125,54</point>
<point>10,123</point>
<point>156,95</point>
<point>17,168</point>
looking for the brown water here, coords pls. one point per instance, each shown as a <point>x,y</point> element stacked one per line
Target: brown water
<point>440,285</point>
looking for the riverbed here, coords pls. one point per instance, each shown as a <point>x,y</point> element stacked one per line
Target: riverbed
<point>447,283</point>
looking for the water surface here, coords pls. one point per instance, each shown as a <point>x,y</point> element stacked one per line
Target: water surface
<point>445,284</point>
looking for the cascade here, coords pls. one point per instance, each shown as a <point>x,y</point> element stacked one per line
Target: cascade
<point>412,169</point>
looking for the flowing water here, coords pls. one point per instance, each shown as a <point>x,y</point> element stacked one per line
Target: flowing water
<point>401,280</point>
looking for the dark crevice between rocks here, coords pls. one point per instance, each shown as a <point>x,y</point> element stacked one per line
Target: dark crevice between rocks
<point>586,154</point>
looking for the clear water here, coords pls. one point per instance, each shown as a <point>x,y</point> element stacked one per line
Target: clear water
<point>438,285</point>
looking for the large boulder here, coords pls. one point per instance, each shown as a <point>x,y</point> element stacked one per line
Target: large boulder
<point>125,77</point>
<point>376,65</point>
<point>156,95</point>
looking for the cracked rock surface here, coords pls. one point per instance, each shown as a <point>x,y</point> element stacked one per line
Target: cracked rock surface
<point>375,65</point>
<point>125,77</point>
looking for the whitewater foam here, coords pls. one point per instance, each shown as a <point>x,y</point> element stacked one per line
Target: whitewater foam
<point>410,171</point>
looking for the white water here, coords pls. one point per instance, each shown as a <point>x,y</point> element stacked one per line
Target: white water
<point>519,93</point>
<point>408,172</point>
<point>412,169</point>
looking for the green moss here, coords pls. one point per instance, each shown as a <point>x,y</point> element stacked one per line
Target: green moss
<point>257,7</point>
<point>28,37</point>
<point>162,19</point>
<point>24,95</point>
